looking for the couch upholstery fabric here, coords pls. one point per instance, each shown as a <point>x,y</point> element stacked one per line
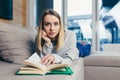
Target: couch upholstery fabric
<point>16,43</point>
<point>7,72</point>
<point>102,65</point>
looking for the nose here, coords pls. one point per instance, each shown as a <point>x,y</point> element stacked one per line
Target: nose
<point>52,27</point>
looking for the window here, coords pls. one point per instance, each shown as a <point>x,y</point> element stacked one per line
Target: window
<point>110,20</point>
<point>80,20</point>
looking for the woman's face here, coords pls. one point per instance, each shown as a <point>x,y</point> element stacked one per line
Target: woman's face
<point>51,26</point>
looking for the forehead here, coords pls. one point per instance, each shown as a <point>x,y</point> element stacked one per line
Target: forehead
<point>51,18</point>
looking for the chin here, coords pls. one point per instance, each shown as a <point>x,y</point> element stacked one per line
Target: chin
<point>51,37</point>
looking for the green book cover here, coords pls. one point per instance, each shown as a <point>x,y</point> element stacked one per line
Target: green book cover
<point>61,71</point>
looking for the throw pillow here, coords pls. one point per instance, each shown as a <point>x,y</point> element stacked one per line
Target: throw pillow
<point>16,43</point>
<point>84,50</point>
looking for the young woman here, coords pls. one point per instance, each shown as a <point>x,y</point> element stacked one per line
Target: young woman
<point>55,45</point>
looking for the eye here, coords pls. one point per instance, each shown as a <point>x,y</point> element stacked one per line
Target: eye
<point>46,24</point>
<point>56,23</point>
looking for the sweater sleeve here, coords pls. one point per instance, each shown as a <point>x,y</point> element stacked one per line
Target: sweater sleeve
<point>59,59</point>
<point>47,48</point>
<point>70,52</point>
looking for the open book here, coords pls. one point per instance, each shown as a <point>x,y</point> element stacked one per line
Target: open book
<point>33,66</point>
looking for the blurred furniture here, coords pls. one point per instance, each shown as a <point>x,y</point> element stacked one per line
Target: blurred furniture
<point>7,72</point>
<point>16,44</point>
<point>111,47</point>
<point>103,65</point>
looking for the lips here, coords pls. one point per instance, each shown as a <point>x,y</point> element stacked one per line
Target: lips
<point>52,33</point>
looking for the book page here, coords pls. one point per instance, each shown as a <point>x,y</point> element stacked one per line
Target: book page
<point>54,66</point>
<point>35,57</point>
<point>34,60</point>
<point>29,68</point>
<point>30,72</point>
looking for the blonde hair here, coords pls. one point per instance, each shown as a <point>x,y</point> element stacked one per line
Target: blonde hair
<point>60,38</point>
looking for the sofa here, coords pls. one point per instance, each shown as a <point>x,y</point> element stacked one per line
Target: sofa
<point>17,44</point>
<point>7,72</point>
<point>104,65</point>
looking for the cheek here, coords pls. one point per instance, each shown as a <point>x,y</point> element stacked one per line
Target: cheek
<point>58,29</point>
<point>46,30</point>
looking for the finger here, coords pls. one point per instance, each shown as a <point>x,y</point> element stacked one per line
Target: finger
<point>44,58</point>
<point>43,34</point>
<point>46,61</point>
<point>49,62</point>
<point>53,59</point>
<point>53,62</point>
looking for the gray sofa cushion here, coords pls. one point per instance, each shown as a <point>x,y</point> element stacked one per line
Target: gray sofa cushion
<point>8,72</point>
<point>103,58</point>
<point>16,43</point>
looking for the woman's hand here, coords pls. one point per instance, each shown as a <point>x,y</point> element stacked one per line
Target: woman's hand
<point>44,37</point>
<point>48,59</point>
